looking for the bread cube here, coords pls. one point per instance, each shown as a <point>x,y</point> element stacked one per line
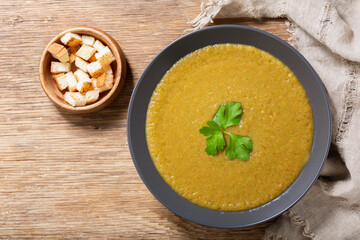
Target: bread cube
<point>84,82</point>
<point>92,96</point>
<point>108,69</point>
<point>72,51</point>
<point>103,82</point>
<point>61,81</point>
<point>95,69</point>
<point>75,99</point>
<point>71,39</point>
<point>92,58</point>
<point>71,81</point>
<point>56,76</point>
<point>59,52</point>
<point>72,58</point>
<point>83,85</point>
<point>105,57</point>
<point>59,67</point>
<point>81,75</point>
<point>88,40</point>
<point>82,64</point>
<point>98,46</point>
<point>85,52</point>
<point>55,48</point>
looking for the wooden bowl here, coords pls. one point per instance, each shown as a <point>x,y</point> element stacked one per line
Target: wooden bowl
<point>118,66</point>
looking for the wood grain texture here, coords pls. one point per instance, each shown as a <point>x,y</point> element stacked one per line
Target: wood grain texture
<point>71,176</point>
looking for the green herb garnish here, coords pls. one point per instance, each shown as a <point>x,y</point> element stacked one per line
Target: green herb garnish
<point>216,141</point>
<point>228,115</point>
<point>239,147</point>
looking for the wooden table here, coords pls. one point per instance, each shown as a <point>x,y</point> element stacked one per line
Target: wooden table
<point>71,176</point>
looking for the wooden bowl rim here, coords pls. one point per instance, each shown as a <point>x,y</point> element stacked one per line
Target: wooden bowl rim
<point>119,77</point>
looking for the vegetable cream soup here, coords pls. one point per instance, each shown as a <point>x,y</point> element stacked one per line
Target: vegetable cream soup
<point>276,117</point>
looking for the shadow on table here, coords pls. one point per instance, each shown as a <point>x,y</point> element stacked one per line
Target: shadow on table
<point>184,229</point>
<point>114,115</point>
<point>192,230</point>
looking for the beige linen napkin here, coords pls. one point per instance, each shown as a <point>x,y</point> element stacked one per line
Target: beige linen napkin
<point>327,33</point>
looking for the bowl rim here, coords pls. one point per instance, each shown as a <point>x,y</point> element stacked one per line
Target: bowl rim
<point>200,212</point>
<point>119,76</point>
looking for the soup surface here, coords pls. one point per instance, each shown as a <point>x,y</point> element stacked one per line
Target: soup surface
<point>276,114</point>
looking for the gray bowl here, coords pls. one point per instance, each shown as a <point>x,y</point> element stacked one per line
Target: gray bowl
<point>153,74</point>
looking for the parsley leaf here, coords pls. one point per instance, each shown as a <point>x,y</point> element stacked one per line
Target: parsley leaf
<point>216,141</point>
<point>228,115</point>
<point>239,147</point>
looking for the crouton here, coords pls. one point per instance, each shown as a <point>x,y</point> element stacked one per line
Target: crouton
<point>55,48</point>
<point>98,46</point>
<point>56,76</point>
<point>105,57</point>
<point>92,96</point>
<point>61,81</point>
<point>59,67</point>
<point>84,85</point>
<point>85,52</point>
<point>59,52</point>
<point>71,81</point>
<point>72,51</point>
<point>103,82</point>
<point>88,40</point>
<point>108,69</point>
<point>71,39</point>
<point>92,58</point>
<point>84,82</point>
<point>72,58</point>
<point>75,99</point>
<point>81,75</point>
<point>82,64</point>
<point>95,69</point>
